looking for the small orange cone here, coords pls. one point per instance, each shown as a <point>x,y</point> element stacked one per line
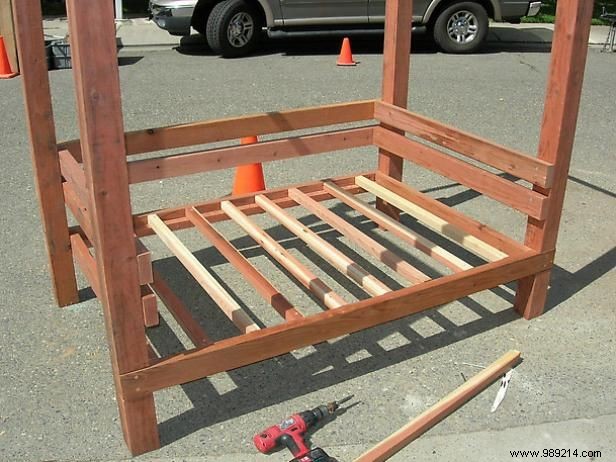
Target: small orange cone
<point>248,178</point>
<point>346,57</point>
<point>5,66</point>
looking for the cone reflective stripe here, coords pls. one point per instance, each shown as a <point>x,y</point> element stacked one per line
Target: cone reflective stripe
<point>5,65</point>
<point>346,57</point>
<point>248,178</point>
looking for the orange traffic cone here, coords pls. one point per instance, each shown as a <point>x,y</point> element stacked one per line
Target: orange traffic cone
<point>5,66</point>
<point>346,57</point>
<point>248,178</point>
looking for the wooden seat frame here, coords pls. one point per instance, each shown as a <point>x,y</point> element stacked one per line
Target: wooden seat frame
<point>90,177</point>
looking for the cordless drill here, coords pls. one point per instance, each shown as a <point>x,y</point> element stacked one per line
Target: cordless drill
<point>290,434</point>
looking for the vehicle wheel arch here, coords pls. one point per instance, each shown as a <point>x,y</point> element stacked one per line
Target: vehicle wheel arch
<point>203,8</point>
<point>492,7</point>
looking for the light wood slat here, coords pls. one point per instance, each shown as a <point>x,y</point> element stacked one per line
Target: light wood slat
<point>509,193</point>
<point>394,443</point>
<point>180,313</point>
<point>399,230</point>
<point>508,160</point>
<point>247,349</point>
<point>368,244</point>
<point>85,262</point>
<point>175,217</point>
<point>211,131</point>
<point>309,280</point>
<point>433,222</point>
<point>269,293</point>
<point>340,261</point>
<point>222,298</point>
<point>149,305</point>
<point>267,151</point>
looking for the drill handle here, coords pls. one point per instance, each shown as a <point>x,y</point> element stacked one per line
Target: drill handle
<point>294,442</point>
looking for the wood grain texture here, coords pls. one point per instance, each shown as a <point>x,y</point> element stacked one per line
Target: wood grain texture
<point>7,30</point>
<point>562,102</point>
<point>204,278</point>
<point>78,209</point>
<point>505,159</point>
<point>267,343</point>
<point>86,262</point>
<point>374,248</point>
<point>507,192</point>
<point>144,263</point>
<point>180,313</point>
<point>321,291</point>
<point>97,86</point>
<point>266,151</point>
<point>434,222</point>
<point>402,232</point>
<point>149,305</point>
<point>450,403</point>
<point>265,288</point>
<point>42,132</point>
<point>455,218</point>
<point>335,257</point>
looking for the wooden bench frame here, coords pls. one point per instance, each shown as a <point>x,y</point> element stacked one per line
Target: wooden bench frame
<point>90,177</point>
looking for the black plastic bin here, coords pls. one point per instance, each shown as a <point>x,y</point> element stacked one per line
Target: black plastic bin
<point>58,54</point>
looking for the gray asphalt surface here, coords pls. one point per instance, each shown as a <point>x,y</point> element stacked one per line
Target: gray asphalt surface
<point>57,399</point>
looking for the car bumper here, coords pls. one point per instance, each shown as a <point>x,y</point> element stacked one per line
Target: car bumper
<point>176,21</point>
<point>533,8</point>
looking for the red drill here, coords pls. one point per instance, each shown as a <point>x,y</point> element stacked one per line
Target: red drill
<point>290,432</point>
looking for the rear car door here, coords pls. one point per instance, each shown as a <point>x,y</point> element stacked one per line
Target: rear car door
<point>376,10</point>
<point>306,12</point>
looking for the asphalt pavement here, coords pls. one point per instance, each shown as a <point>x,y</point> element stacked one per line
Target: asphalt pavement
<point>57,400</point>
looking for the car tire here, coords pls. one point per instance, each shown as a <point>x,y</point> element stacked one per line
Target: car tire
<point>233,28</point>
<point>461,28</point>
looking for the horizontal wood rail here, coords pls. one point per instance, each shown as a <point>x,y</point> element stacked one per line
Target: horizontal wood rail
<point>507,192</point>
<point>211,131</point>
<point>73,173</point>
<point>267,151</point>
<point>78,209</point>
<point>250,348</point>
<point>397,229</point>
<point>534,170</point>
<point>176,219</point>
<point>454,218</point>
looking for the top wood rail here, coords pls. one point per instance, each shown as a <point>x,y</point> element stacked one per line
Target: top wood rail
<point>211,131</point>
<point>522,166</point>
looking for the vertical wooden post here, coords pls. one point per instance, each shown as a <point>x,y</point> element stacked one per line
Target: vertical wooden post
<point>48,180</point>
<point>94,58</point>
<point>7,30</point>
<point>569,50</point>
<point>395,85</point>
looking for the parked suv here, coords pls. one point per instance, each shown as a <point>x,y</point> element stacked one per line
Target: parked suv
<point>233,27</point>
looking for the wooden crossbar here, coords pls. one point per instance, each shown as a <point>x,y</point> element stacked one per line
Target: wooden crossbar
<point>416,240</point>
<point>371,246</point>
<point>523,166</point>
<point>308,279</point>
<point>514,195</point>
<point>265,288</point>
<point>336,258</point>
<point>222,298</point>
<point>433,222</point>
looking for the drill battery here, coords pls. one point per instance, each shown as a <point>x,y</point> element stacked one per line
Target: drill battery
<point>315,455</point>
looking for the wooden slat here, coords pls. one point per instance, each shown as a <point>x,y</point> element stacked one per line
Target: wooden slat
<point>7,30</point>
<point>340,261</point>
<point>257,346</point>
<point>426,420</point>
<point>42,133</point>
<point>222,298</point>
<point>401,231</point>
<point>180,313</point>
<point>309,280</point>
<point>371,246</point>
<point>86,262</point>
<point>175,217</point>
<point>269,293</point>
<point>211,131</point>
<point>73,173</point>
<point>149,305</point>
<point>144,263</point>
<point>267,151</point>
<point>433,222</point>
<point>508,160</point>
<point>514,195</point>
<point>78,210</point>
<point>562,102</point>
<point>455,218</point>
